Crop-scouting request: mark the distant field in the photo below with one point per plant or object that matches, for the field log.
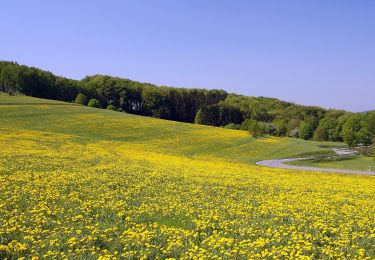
(359, 162)
(79, 182)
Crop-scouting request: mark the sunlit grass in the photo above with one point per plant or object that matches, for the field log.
(85, 183)
(357, 162)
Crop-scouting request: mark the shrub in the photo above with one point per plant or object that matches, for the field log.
(294, 133)
(256, 129)
(305, 131)
(81, 99)
(320, 134)
(364, 137)
(111, 107)
(93, 103)
(232, 126)
(350, 129)
(272, 129)
(281, 127)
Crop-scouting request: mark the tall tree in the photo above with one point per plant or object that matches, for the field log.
(305, 130)
(350, 129)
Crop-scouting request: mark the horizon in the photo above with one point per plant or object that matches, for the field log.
(310, 53)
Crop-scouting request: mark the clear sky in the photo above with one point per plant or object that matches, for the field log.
(313, 52)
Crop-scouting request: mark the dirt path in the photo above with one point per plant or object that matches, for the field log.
(280, 163)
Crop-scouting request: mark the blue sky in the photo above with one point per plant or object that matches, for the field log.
(310, 52)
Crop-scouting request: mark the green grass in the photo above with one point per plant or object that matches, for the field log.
(80, 183)
(317, 153)
(190, 140)
(358, 162)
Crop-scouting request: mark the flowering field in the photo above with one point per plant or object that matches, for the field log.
(77, 182)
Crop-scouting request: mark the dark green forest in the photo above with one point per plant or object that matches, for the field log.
(259, 115)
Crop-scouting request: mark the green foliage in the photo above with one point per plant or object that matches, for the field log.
(271, 129)
(154, 102)
(340, 124)
(313, 121)
(111, 107)
(218, 115)
(94, 103)
(15, 78)
(327, 129)
(293, 127)
(81, 99)
(246, 124)
(350, 137)
(294, 133)
(255, 128)
(281, 127)
(208, 115)
(320, 134)
(350, 129)
(364, 137)
(198, 117)
(355, 131)
(305, 130)
(9, 79)
(232, 126)
(369, 121)
(146, 99)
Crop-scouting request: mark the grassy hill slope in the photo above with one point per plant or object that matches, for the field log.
(80, 182)
(88, 125)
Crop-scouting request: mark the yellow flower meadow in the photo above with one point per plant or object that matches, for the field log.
(75, 183)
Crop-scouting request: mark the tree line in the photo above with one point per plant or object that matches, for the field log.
(259, 115)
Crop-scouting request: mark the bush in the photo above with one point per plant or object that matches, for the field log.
(256, 129)
(111, 107)
(246, 124)
(294, 133)
(305, 131)
(232, 126)
(320, 134)
(364, 137)
(272, 129)
(94, 103)
(198, 117)
(350, 129)
(81, 99)
(281, 127)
